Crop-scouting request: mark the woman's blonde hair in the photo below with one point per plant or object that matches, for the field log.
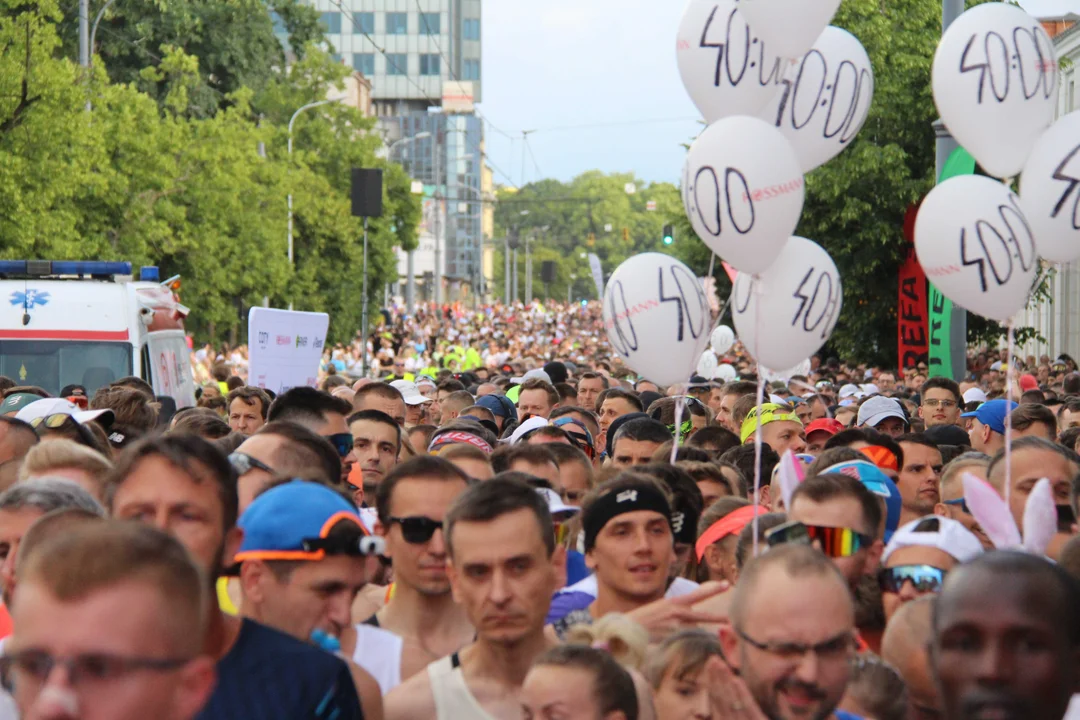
(621, 637)
(681, 655)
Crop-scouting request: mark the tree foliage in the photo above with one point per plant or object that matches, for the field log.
(150, 176)
(565, 221)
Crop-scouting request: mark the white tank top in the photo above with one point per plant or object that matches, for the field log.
(453, 699)
(379, 652)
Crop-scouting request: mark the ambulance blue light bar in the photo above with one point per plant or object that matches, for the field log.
(43, 268)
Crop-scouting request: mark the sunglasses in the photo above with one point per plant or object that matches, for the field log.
(960, 503)
(835, 542)
(342, 442)
(417, 530)
(924, 578)
(243, 463)
(52, 422)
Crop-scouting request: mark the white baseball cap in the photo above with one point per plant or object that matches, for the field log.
(59, 406)
(533, 423)
(555, 503)
(409, 392)
(850, 390)
(974, 395)
(935, 531)
(537, 373)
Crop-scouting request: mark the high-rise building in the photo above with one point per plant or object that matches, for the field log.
(423, 60)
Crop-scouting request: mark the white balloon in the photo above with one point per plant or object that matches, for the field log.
(743, 191)
(657, 317)
(1050, 191)
(788, 312)
(826, 98)
(725, 372)
(995, 81)
(789, 26)
(802, 368)
(722, 339)
(725, 70)
(707, 364)
(976, 246)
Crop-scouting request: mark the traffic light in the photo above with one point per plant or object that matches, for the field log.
(669, 234)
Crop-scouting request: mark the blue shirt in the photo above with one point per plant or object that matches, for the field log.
(268, 675)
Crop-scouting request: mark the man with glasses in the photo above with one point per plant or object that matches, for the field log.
(324, 415)
(942, 402)
(121, 609)
(376, 441)
(791, 639)
(413, 500)
(840, 516)
(283, 449)
(918, 557)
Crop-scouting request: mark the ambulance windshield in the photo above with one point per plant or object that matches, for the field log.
(52, 364)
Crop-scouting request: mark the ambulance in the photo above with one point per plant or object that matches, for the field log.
(89, 323)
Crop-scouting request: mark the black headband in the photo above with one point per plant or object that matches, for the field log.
(608, 506)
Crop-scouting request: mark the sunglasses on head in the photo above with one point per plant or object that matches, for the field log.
(243, 463)
(57, 420)
(834, 542)
(417, 530)
(924, 578)
(342, 442)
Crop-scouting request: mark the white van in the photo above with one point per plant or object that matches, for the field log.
(89, 323)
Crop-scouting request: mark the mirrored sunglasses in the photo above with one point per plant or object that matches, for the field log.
(924, 578)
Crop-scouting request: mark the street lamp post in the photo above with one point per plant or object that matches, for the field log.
(291, 121)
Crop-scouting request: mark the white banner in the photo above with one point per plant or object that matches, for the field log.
(597, 274)
(285, 347)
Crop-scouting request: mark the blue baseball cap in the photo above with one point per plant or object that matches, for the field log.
(293, 521)
(877, 482)
(499, 405)
(992, 414)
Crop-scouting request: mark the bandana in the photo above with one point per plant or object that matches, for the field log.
(613, 504)
(731, 524)
(764, 415)
(456, 437)
(882, 457)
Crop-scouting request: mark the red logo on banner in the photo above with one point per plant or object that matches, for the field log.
(912, 347)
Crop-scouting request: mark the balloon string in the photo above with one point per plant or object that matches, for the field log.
(755, 287)
(680, 403)
(1009, 377)
(712, 264)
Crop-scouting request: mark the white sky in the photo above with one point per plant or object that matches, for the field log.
(576, 62)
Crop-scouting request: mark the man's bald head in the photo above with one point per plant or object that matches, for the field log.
(905, 647)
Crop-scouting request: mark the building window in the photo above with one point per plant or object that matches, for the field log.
(336, 57)
(397, 64)
(397, 23)
(331, 22)
(471, 28)
(364, 22)
(429, 64)
(364, 63)
(429, 23)
(470, 69)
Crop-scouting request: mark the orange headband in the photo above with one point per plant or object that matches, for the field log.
(882, 457)
(731, 524)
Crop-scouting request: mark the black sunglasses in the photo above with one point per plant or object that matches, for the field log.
(417, 530)
(243, 464)
(342, 442)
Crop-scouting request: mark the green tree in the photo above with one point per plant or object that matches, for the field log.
(566, 221)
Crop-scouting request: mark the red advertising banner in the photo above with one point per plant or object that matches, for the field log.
(912, 347)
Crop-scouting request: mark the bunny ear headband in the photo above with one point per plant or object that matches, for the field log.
(996, 520)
